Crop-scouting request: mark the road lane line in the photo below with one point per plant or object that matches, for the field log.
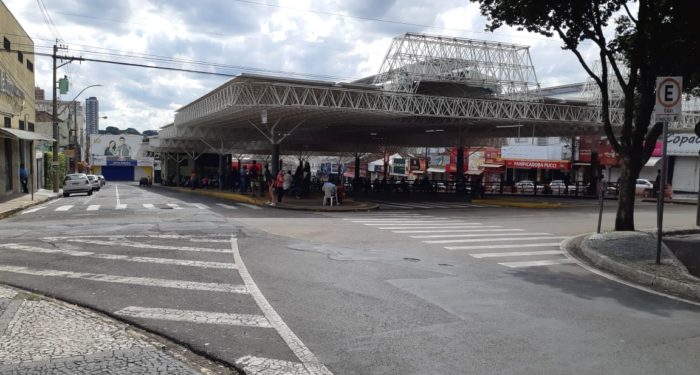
(175, 236)
(148, 205)
(207, 240)
(199, 205)
(193, 316)
(402, 220)
(450, 226)
(93, 207)
(477, 235)
(312, 364)
(35, 209)
(509, 246)
(119, 203)
(141, 281)
(499, 239)
(259, 365)
(128, 258)
(516, 254)
(457, 230)
(64, 208)
(251, 206)
(415, 223)
(388, 217)
(174, 206)
(147, 246)
(227, 206)
(537, 263)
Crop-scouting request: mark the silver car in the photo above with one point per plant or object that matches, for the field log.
(96, 185)
(76, 183)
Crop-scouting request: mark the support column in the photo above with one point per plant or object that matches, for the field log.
(275, 160)
(177, 169)
(459, 175)
(357, 168)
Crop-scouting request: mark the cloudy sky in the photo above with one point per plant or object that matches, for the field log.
(320, 39)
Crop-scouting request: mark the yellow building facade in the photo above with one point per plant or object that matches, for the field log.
(17, 112)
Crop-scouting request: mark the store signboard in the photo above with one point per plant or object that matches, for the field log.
(532, 152)
(684, 144)
(118, 150)
(398, 166)
(538, 164)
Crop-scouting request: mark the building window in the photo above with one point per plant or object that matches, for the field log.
(20, 56)
(6, 44)
(8, 122)
(31, 126)
(30, 66)
(21, 125)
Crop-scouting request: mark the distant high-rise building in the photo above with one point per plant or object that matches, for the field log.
(38, 93)
(92, 115)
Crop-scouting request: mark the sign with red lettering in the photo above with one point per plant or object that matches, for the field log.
(538, 164)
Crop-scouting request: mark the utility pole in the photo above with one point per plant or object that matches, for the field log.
(54, 158)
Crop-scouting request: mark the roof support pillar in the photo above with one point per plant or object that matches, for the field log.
(275, 161)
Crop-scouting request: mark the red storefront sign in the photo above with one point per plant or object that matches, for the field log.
(538, 164)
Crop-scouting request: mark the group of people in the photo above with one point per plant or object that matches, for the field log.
(254, 182)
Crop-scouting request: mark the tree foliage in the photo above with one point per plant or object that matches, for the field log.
(661, 39)
(113, 130)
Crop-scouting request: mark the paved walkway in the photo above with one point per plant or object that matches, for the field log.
(14, 203)
(42, 336)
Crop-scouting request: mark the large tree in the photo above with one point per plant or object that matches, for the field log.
(660, 40)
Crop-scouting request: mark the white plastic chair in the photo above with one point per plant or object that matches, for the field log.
(331, 197)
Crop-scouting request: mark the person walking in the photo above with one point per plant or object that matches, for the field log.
(279, 186)
(23, 178)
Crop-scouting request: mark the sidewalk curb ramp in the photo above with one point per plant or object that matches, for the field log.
(16, 210)
(581, 250)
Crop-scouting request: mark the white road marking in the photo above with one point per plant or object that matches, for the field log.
(192, 316)
(176, 236)
(509, 246)
(451, 226)
(267, 366)
(415, 223)
(457, 230)
(174, 206)
(478, 235)
(35, 209)
(142, 281)
(516, 254)
(93, 207)
(402, 217)
(90, 254)
(64, 208)
(537, 263)
(498, 240)
(312, 364)
(199, 205)
(119, 203)
(400, 220)
(147, 246)
(148, 205)
(251, 206)
(204, 240)
(228, 206)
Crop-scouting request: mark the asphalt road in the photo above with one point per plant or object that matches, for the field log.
(474, 290)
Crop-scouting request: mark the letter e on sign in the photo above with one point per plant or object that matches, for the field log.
(669, 92)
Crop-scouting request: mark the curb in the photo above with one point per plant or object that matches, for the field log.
(506, 203)
(215, 194)
(672, 201)
(643, 278)
(341, 209)
(13, 211)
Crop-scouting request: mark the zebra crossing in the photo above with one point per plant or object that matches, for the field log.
(410, 205)
(101, 265)
(144, 206)
(508, 247)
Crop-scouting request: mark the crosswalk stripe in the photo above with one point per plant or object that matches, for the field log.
(258, 365)
(142, 281)
(481, 235)
(148, 246)
(121, 206)
(64, 208)
(35, 209)
(389, 217)
(251, 206)
(449, 226)
(93, 207)
(406, 220)
(509, 246)
(457, 231)
(199, 205)
(516, 254)
(418, 223)
(536, 263)
(174, 206)
(497, 239)
(228, 206)
(90, 254)
(192, 316)
(148, 205)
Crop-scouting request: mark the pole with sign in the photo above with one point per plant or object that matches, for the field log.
(697, 219)
(668, 108)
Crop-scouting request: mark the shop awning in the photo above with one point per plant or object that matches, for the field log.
(652, 161)
(582, 163)
(485, 165)
(436, 170)
(23, 134)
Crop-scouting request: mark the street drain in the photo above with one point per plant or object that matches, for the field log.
(445, 265)
(412, 259)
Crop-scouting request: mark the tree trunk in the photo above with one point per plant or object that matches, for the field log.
(624, 220)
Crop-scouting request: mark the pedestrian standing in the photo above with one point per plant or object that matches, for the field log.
(306, 182)
(244, 180)
(24, 178)
(287, 182)
(279, 186)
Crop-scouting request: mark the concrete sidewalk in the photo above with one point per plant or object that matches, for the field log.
(14, 203)
(43, 336)
(313, 203)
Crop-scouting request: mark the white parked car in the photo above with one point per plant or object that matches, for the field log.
(559, 187)
(95, 182)
(76, 183)
(525, 186)
(103, 182)
(642, 185)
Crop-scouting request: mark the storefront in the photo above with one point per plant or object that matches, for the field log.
(684, 162)
(534, 163)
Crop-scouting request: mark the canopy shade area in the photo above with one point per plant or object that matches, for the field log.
(23, 135)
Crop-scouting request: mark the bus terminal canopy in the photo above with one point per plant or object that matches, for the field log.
(448, 95)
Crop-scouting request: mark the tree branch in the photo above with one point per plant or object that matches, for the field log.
(629, 14)
(650, 141)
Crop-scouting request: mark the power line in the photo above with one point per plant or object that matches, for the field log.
(48, 20)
